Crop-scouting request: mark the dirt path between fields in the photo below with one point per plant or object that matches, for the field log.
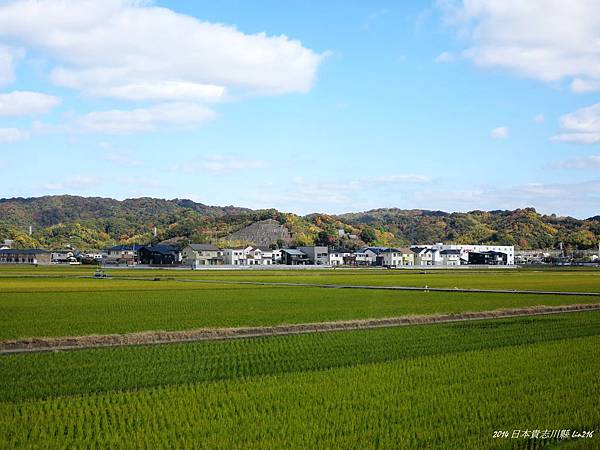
(209, 334)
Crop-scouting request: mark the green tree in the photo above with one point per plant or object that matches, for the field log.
(368, 235)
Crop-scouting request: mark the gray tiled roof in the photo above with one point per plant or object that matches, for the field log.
(23, 251)
(203, 247)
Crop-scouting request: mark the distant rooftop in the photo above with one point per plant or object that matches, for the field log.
(203, 247)
(123, 247)
(23, 251)
(292, 251)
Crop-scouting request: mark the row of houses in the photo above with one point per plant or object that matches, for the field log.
(203, 255)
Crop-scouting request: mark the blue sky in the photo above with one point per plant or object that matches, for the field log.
(304, 106)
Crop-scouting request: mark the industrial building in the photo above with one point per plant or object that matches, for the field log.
(461, 254)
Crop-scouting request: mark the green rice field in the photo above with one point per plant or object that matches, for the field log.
(437, 386)
(37, 307)
(551, 279)
(432, 386)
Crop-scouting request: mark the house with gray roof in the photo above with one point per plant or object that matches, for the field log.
(121, 254)
(294, 257)
(197, 255)
(25, 256)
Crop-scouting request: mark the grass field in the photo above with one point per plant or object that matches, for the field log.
(557, 279)
(65, 307)
(436, 386)
(446, 386)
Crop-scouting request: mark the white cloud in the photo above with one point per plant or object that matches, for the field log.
(10, 135)
(26, 103)
(402, 179)
(315, 194)
(79, 182)
(130, 49)
(170, 115)
(581, 126)
(539, 118)
(541, 39)
(343, 195)
(562, 198)
(499, 133)
(582, 86)
(581, 163)
(162, 90)
(445, 57)
(123, 159)
(220, 164)
(8, 56)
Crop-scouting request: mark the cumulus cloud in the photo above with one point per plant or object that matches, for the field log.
(169, 115)
(10, 135)
(539, 118)
(582, 86)
(26, 103)
(581, 126)
(130, 49)
(581, 163)
(545, 40)
(499, 133)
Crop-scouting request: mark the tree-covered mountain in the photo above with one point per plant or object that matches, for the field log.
(92, 222)
(525, 228)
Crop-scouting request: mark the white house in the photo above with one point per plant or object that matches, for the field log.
(450, 257)
(392, 257)
(426, 256)
(362, 258)
(250, 256)
(276, 256)
(63, 256)
(91, 255)
(339, 256)
(267, 256)
(256, 256)
(371, 254)
(234, 256)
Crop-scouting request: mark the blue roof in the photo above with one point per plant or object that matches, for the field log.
(162, 249)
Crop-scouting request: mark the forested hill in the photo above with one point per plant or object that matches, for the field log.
(92, 223)
(524, 228)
